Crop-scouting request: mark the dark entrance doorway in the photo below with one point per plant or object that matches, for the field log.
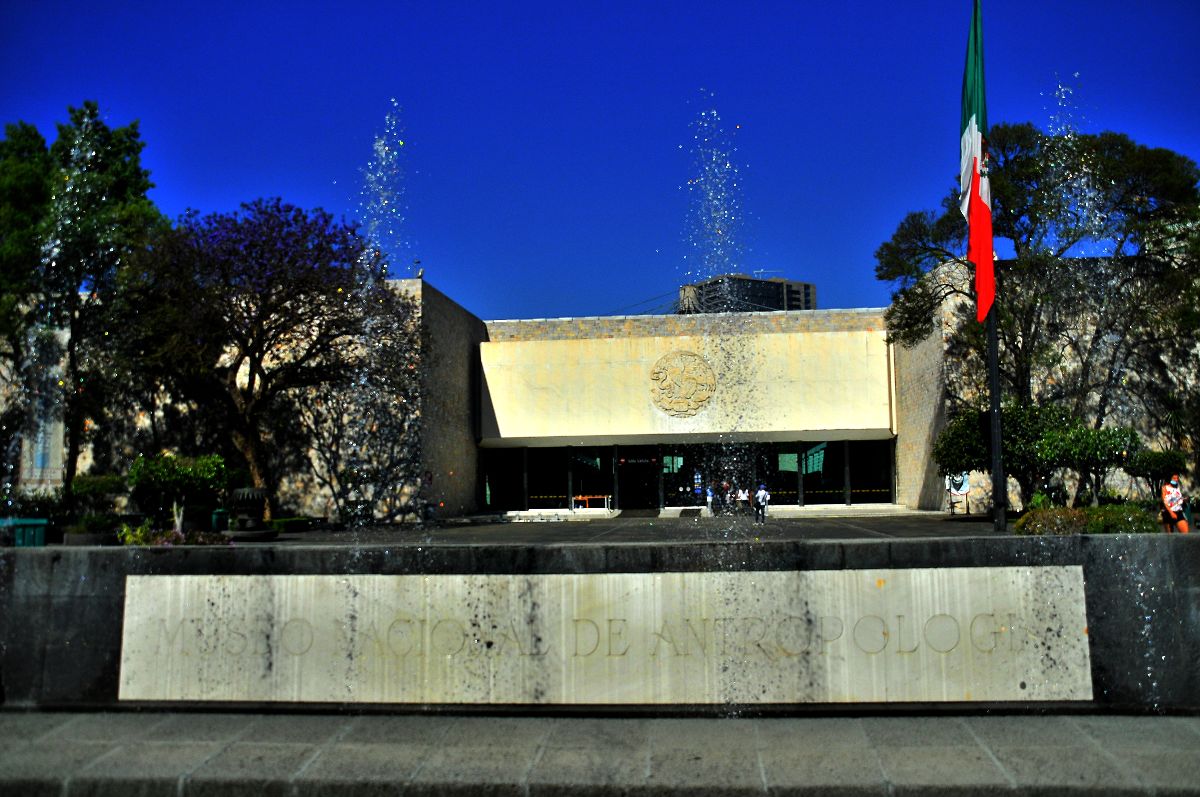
(638, 469)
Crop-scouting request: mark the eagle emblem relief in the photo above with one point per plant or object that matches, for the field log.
(681, 382)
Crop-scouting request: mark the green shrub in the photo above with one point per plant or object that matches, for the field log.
(158, 482)
(1121, 519)
(142, 534)
(96, 493)
(1050, 521)
(146, 534)
(43, 504)
(1040, 501)
(1126, 518)
(103, 484)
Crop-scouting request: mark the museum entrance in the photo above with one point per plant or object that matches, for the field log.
(638, 477)
(678, 475)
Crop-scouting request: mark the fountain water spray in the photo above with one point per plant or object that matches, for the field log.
(715, 248)
(367, 435)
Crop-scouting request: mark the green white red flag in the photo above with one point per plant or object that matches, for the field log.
(975, 193)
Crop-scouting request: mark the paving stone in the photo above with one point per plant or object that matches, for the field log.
(811, 734)
(37, 768)
(586, 732)
(1149, 734)
(491, 769)
(497, 732)
(296, 729)
(1166, 771)
(886, 732)
(360, 769)
(835, 772)
(1189, 724)
(703, 735)
(250, 769)
(1054, 769)
(599, 770)
(144, 769)
(110, 727)
(399, 729)
(1025, 731)
(715, 771)
(964, 770)
(200, 727)
(27, 726)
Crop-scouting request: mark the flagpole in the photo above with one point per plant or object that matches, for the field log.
(999, 482)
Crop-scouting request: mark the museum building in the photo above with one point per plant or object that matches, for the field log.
(646, 412)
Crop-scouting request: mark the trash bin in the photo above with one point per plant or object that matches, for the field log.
(220, 520)
(24, 532)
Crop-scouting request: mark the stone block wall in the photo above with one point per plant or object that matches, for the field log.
(449, 400)
(920, 415)
(657, 326)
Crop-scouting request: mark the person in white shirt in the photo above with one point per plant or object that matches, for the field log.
(761, 499)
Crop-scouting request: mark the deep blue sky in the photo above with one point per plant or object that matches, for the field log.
(543, 156)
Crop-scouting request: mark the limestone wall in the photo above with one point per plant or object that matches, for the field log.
(920, 415)
(449, 400)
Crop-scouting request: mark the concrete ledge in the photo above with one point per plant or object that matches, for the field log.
(304, 755)
(61, 608)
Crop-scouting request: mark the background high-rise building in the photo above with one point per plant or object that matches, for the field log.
(741, 293)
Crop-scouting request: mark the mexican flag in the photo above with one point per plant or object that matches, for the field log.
(974, 190)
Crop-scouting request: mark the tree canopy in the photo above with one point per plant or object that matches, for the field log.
(1096, 308)
(255, 316)
(69, 216)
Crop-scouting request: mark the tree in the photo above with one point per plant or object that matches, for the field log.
(26, 171)
(254, 316)
(1156, 467)
(1092, 453)
(965, 443)
(1096, 307)
(98, 215)
(364, 429)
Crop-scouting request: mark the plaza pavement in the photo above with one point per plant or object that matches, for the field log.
(185, 754)
(222, 754)
(872, 522)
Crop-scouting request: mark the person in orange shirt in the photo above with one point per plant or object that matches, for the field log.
(1172, 500)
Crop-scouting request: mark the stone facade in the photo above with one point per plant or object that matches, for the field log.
(920, 415)
(804, 375)
(449, 399)
(656, 326)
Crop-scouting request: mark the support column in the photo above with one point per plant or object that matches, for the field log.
(525, 476)
(801, 457)
(616, 477)
(846, 470)
(658, 451)
(895, 474)
(570, 481)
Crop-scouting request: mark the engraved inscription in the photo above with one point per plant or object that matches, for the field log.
(632, 638)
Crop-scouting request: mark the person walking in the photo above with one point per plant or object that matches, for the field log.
(1172, 501)
(761, 499)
